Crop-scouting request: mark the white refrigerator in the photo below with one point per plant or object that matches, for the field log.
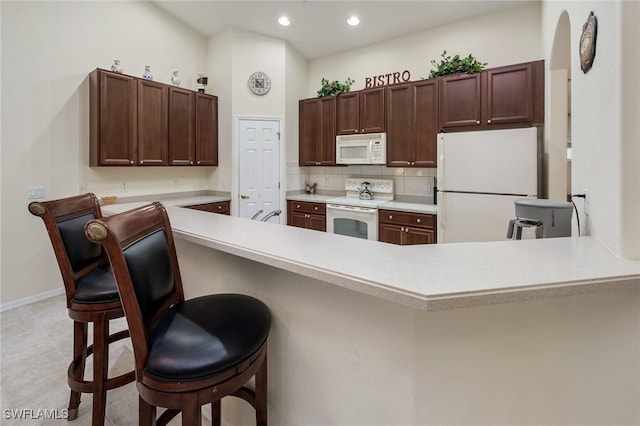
(480, 175)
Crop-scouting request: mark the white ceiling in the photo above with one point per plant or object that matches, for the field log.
(318, 27)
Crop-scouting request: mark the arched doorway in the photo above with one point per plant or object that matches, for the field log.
(558, 154)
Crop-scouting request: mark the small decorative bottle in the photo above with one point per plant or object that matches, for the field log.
(116, 66)
(175, 79)
(147, 73)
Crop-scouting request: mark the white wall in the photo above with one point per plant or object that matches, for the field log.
(502, 38)
(48, 49)
(604, 115)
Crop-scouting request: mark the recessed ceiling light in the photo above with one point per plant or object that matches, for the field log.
(284, 21)
(353, 21)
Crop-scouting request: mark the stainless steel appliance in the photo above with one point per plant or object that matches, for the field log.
(356, 214)
(366, 148)
(545, 218)
(480, 175)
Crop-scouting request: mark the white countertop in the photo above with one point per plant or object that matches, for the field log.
(410, 207)
(428, 277)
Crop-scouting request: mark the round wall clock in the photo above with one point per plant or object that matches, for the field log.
(588, 43)
(259, 83)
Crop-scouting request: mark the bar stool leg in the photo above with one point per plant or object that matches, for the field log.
(100, 369)
(80, 331)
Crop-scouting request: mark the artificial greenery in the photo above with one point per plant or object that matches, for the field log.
(334, 88)
(455, 65)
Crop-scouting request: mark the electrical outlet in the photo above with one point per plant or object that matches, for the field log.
(587, 203)
(124, 187)
(35, 192)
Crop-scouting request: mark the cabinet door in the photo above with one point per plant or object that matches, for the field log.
(181, 127)
(298, 219)
(414, 236)
(347, 113)
(425, 123)
(317, 222)
(206, 130)
(308, 131)
(400, 125)
(460, 101)
(388, 233)
(113, 138)
(327, 138)
(372, 112)
(153, 142)
(509, 95)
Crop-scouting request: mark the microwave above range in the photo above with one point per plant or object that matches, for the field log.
(366, 148)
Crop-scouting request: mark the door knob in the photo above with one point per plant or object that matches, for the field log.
(244, 196)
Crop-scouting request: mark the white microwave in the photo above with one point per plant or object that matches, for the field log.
(366, 148)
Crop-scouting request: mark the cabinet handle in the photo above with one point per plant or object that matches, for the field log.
(315, 208)
(198, 162)
(131, 162)
(418, 220)
(477, 121)
(191, 162)
(489, 121)
(219, 207)
(390, 216)
(406, 229)
(141, 161)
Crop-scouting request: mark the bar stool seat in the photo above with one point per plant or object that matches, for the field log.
(91, 294)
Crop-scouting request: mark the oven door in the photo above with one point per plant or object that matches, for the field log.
(353, 221)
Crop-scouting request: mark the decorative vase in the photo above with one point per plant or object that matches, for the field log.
(147, 73)
(116, 66)
(175, 79)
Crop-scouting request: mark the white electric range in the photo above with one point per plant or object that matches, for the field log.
(355, 216)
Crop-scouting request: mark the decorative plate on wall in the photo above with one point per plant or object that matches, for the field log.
(259, 83)
(588, 42)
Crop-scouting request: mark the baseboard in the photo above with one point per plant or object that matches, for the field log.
(31, 299)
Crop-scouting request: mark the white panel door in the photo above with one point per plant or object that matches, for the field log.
(259, 167)
(490, 161)
(474, 217)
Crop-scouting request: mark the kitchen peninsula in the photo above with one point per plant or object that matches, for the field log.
(353, 341)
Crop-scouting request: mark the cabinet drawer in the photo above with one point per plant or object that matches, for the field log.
(305, 206)
(222, 207)
(408, 219)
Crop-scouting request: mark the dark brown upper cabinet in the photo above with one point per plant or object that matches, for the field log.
(138, 122)
(206, 130)
(113, 119)
(361, 112)
(501, 97)
(153, 147)
(412, 124)
(317, 131)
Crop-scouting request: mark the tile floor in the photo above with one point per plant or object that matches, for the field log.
(36, 349)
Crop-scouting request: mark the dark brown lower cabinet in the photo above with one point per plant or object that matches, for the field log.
(404, 228)
(304, 214)
(221, 207)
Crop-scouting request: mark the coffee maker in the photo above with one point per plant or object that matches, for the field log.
(546, 218)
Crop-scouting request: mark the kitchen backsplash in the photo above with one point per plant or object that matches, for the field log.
(407, 181)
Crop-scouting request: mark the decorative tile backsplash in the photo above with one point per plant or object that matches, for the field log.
(407, 181)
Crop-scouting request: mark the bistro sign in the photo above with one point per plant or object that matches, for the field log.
(386, 79)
